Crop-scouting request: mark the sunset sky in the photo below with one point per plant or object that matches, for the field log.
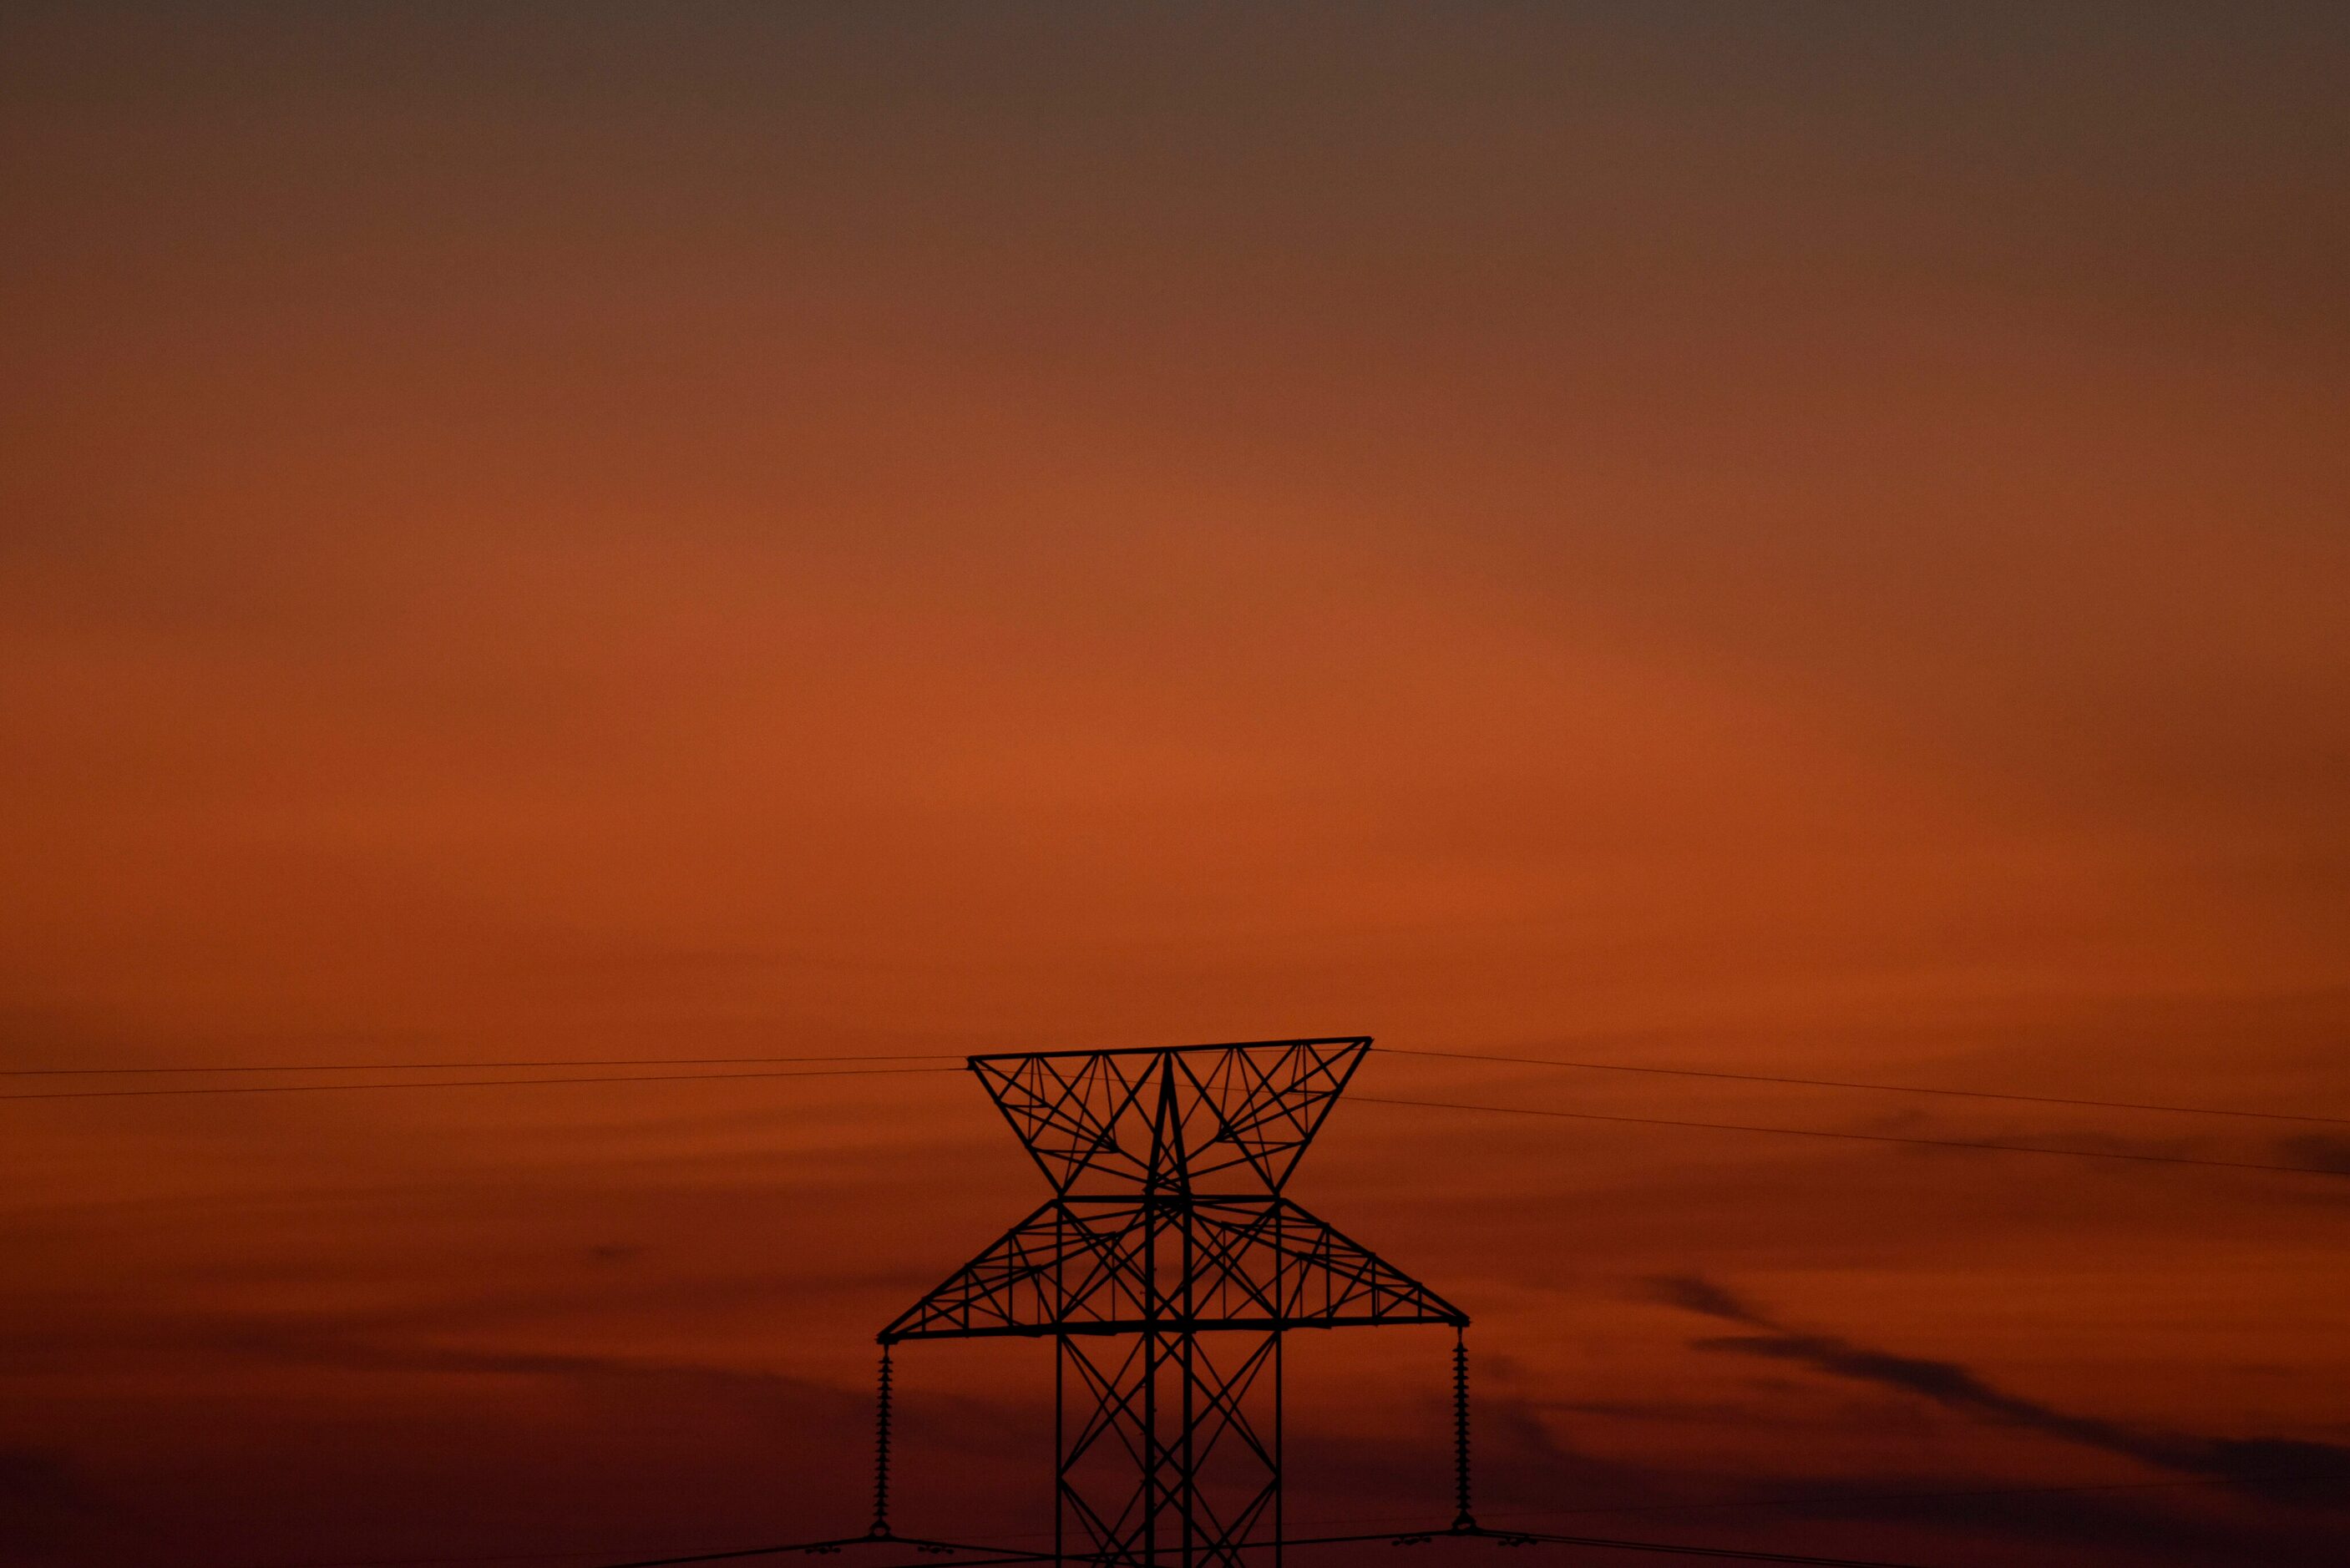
(1799, 539)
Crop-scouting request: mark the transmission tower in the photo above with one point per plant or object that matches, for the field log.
(1166, 1268)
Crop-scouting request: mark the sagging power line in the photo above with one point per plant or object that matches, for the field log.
(467, 1065)
(1941, 1090)
(467, 1083)
(1726, 1075)
(2134, 1155)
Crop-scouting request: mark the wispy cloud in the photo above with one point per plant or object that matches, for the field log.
(1693, 1294)
(2276, 1468)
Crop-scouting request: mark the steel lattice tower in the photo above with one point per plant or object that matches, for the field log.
(1166, 1268)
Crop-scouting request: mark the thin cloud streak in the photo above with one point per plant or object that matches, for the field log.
(2282, 1469)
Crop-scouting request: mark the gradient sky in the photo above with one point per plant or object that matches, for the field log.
(1806, 539)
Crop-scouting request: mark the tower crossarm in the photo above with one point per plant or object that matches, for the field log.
(1108, 1266)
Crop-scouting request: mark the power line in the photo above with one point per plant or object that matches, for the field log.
(469, 1084)
(1660, 1548)
(1879, 1088)
(1830, 1501)
(988, 1554)
(1864, 1498)
(1721, 1073)
(1870, 1498)
(1600, 1542)
(453, 1067)
(1858, 1136)
(2139, 1158)
(1500, 1537)
(423, 1561)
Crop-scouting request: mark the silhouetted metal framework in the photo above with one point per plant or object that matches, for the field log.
(1166, 1268)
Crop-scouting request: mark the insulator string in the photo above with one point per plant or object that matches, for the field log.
(1463, 1518)
(882, 1451)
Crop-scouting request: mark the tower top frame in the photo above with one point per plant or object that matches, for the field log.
(1233, 1117)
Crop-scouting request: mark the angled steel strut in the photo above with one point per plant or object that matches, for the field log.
(1166, 1268)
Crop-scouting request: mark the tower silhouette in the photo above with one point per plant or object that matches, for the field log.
(1166, 1267)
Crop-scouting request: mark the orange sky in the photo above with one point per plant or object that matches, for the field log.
(1793, 539)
